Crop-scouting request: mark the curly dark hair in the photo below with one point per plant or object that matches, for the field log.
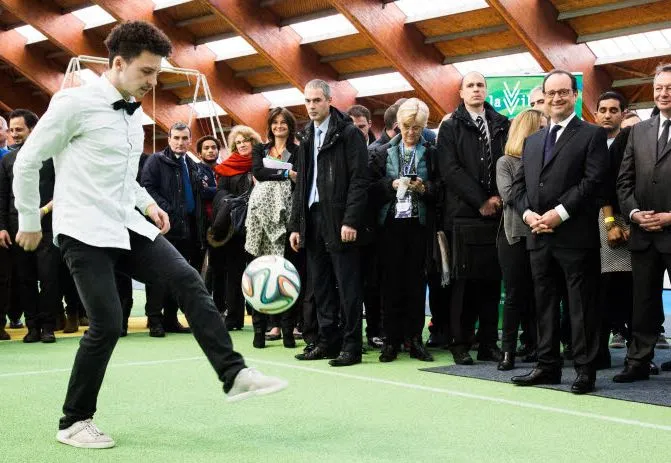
(131, 38)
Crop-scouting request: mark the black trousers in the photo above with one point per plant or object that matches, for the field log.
(308, 323)
(579, 269)
(37, 281)
(617, 300)
(474, 300)
(403, 280)
(124, 286)
(439, 304)
(648, 271)
(5, 281)
(150, 262)
(372, 291)
(228, 264)
(73, 304)
(337, 280)
(518, 283)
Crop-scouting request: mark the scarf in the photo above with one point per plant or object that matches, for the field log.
(235, 164)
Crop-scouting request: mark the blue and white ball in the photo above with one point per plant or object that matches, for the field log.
(271, 284)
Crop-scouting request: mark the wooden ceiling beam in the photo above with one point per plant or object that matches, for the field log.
(553, 45)
(14, 96)
(403, 45)
(621, 4)
(281, 47)
(66, 31)
(234, 95)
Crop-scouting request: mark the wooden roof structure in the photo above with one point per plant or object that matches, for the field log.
(422, 48)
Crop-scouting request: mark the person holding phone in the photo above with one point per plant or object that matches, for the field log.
(402, 173)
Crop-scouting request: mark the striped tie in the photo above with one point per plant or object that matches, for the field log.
(488, 151)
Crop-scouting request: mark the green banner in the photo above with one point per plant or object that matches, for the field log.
(509, 95)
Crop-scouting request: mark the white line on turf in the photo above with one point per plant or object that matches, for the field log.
(417, 387)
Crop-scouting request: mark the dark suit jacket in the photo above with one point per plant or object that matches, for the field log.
(573, 177)
(645, 183)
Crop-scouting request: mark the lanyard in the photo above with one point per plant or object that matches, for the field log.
(410, 166)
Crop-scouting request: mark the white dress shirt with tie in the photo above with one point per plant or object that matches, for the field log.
(96, 152)
(320, 133)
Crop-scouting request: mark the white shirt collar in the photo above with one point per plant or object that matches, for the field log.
(324, 125)
(476, 115)
(563, 123)
(111, 93)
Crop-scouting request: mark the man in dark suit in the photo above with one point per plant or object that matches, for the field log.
(645, 198)
(558, 193)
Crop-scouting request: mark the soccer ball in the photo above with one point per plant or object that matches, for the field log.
(271, 284)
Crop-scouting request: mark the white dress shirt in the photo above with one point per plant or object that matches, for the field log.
(323, 127)
(96, 152)
(483, 115)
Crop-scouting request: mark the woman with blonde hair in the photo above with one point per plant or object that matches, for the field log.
(403, 184)
(234, 179)
(513, 255)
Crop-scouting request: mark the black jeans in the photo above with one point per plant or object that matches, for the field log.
(73, 304)
(439, 305)
(404, 283)
(337, 281)
(372, 295)
(150, 262)
(519, 303)
(40, 303)
(228, 263)
(5, 280)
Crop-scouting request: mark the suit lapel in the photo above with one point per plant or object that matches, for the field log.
(566, 135)
(538, 151)
(654, 136)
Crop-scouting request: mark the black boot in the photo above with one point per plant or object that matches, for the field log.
(288, 338)
(418, 350)
(259, 340)
(508, 362)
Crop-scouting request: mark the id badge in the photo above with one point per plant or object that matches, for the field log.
(404, 208)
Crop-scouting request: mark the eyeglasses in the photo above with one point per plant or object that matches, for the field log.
(563, 93)
(243, 141)
(662, 88)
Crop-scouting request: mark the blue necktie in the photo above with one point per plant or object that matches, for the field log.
(188, 192)
(550, 143)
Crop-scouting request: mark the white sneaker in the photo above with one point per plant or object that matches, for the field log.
(250, 382)
(85, 435)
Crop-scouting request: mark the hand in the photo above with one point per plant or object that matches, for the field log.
(552, 219)
(615, 236)
(204, 182)
(159, 217)
(28, 240)
(294, 240)
(417, 186)
(347, 234)
(535, 221)
(664, 218)
(395, 184)
(648, 220)
(491, 206)
(293, 175)
(5, 239)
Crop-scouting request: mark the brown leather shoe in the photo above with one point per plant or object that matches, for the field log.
(71, 325)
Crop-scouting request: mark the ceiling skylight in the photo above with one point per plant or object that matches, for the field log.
(324, 28)
(286, 97)
(520, 63)
(93, 16)
(31, 34)
(207, 109)
(160, 4)
(231, 48)
(419, 10)
(377, 85)
(628, 47)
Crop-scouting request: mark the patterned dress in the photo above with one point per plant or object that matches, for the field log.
(614, 259)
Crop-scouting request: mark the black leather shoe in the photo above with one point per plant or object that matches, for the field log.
(4, 335)
(654, 369)
(418, 351)
(47, 336)
(259, 340)
(375, 342)
(156, 331)
(531, 357)
(666, 366)
(389, 353)
(538, 376)
(175, 327)
(318, 353)
(631, 374)
(436, 340)
(582, 384)
(345, 359)
(32, 336)
(489, 353)
(507, 363)
(568, 352)
(309, 347)
(288, 339)
(462, 358)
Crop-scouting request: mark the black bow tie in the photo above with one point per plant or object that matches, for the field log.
(130, 107)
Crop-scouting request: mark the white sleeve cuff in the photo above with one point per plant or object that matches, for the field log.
(633, 211)
(561, 210)
(30, 222)
(525, 214)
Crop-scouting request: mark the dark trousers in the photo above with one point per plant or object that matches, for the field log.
(617, 301)
(372, 294)
(337, 280)
(518, 283)
(124, 286)
(648, 271)
(150, 262)
(474, 300)
(308, 324)
(37, 281)
(228, 264)
(73, 304)
(403, 280)
(579, 269)
(439, 305)
(5, 281)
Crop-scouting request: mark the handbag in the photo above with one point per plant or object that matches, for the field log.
(474, 254)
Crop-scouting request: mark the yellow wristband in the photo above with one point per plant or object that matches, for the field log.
(609, 219)
(45, 209)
